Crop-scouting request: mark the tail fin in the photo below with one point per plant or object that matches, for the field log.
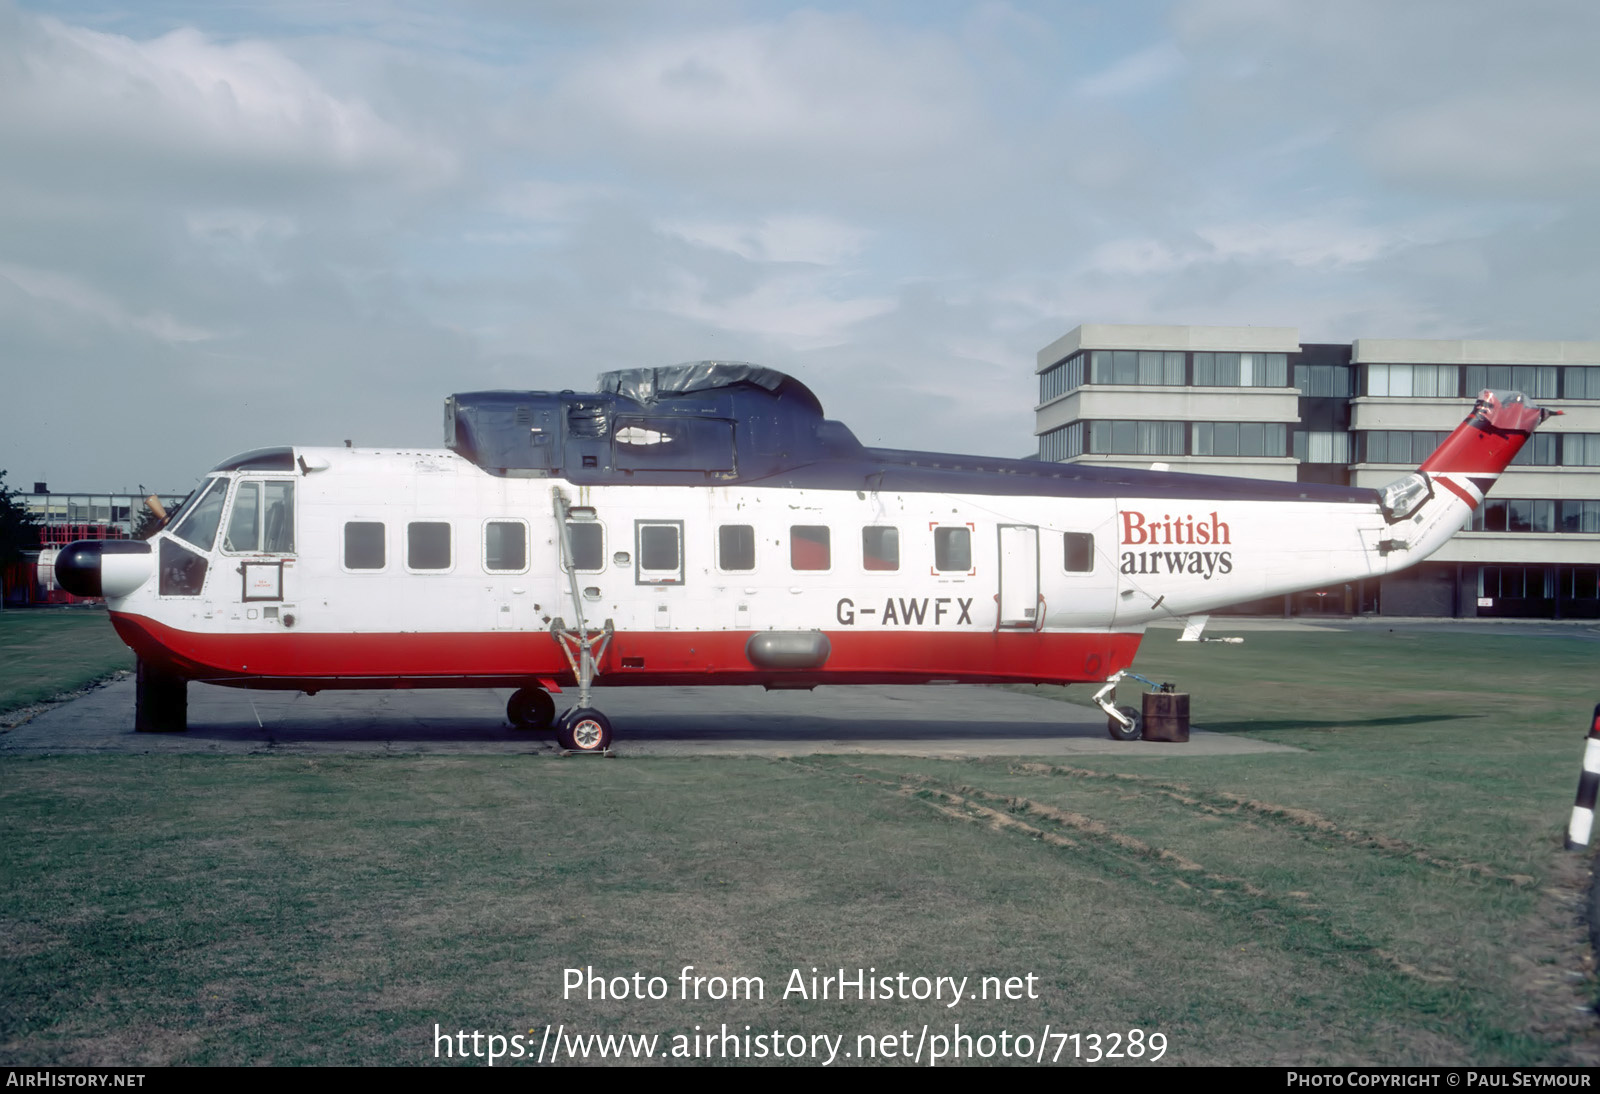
(1472, 458)
(1428, 506)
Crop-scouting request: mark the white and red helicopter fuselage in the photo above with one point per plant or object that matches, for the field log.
(562, 540)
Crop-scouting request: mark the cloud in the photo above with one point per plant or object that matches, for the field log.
(826, 91)
(183, 99)
(1135, 73)
(796, 310)
(1469, 97)
(1537, 140)
(819, 240)
(51, 288)
(1306, 242)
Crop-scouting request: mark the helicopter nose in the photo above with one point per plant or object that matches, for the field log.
(104, 567)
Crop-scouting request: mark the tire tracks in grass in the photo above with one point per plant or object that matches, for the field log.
(1300, 924)
(1118, 853)
(1287, 818)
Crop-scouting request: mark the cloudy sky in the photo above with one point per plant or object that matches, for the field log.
(232, 225)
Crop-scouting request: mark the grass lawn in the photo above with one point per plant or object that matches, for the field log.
(1395, 892)
(47, 651)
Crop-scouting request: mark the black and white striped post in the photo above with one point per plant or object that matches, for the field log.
(1588, 784)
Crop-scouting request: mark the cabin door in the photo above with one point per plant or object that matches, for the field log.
(1019, 576)
(260, 536)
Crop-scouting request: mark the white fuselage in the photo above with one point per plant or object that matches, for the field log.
(450, 563)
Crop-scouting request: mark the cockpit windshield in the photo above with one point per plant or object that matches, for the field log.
(202, 515)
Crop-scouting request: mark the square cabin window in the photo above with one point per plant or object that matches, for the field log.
(810, 547)
(363, 545)
(1079, 552)
(588, 546)
(736, 547)
(505, 546)
(658, 547)
(660, 552)
(428, 545)
(952, 549)
(880, 548)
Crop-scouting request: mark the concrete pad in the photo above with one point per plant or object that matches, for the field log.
(935, 720)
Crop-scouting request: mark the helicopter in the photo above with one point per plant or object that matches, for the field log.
(705, 523)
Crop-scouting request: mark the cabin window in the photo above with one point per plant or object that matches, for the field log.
(364, 545)
(952, 549)
(588, 545)
(880, 548)
(809, 547)
(660, 545)
(736, 547)
(199, 524)
(505, 546)
(1079, 556)
(427, 545)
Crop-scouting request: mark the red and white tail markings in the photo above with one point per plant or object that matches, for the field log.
(1469, 488)
(1471, 459)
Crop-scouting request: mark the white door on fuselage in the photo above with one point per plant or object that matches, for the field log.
(1019, 575)
(259, 537)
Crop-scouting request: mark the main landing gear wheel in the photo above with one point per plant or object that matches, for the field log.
(1120, 732)
(584, 729)
(532, 709)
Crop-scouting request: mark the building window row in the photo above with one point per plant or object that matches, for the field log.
(1412, 446)
(1267, 439)
(1061, 378)
(1163, 368)
(1558, 515)
(1407, 446)
(1168, 369)
(1238, 438)
(1241, 370)
(1324, 381)
(1062, 443)
(1312, 446)
(1465, 381)
(1539, 582)
(1132, 438)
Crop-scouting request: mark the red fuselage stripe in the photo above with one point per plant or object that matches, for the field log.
(501, 658)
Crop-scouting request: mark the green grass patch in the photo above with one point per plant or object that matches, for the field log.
(48, 651)
(1395, 893)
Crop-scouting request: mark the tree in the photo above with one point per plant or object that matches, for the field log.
(18, 530)
(147, 524)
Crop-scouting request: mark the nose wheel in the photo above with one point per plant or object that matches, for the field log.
(584, 729)
(1122, 723)
(1130, 728)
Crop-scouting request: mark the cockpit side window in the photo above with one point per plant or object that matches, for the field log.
(199, 526)
(244, 524)
(262, 518)
(277, 525)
